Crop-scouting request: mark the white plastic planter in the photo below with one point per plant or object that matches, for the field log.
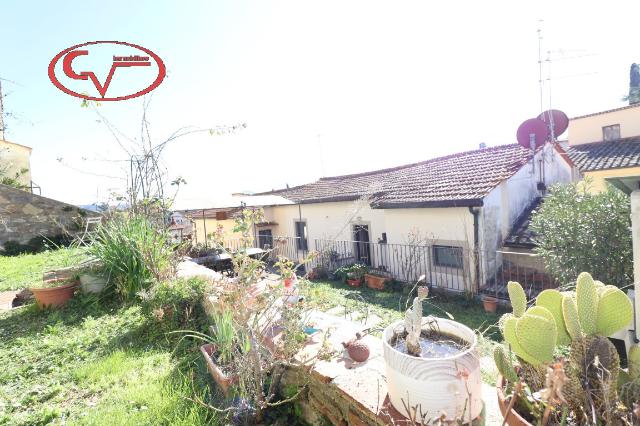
(438, 385)
(92, 283)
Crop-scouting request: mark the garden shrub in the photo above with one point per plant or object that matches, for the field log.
(135, 253)
(177, 301)
(579, 231)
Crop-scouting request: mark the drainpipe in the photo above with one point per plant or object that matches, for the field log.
(475, 211)
(302, 236)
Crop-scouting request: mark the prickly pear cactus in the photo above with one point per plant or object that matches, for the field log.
(634, 362)
(533, 336)
(518, 298)
(614, 311)
(594, 365)
(552, 301)
(587, 302)
(629, 383)
(504, 364)
(571, 320)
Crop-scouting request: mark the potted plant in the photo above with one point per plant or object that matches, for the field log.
(376, 279)
(355, 274)
(287, 271)
(490, 304)
(220, 349)
(537, 386)
(432, 366)
(55, 291)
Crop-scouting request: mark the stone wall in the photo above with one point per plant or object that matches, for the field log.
(24, 215)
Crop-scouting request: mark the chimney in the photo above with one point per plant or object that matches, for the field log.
(634, 84)
(483, 145)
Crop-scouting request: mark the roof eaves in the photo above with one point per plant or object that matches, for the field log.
(605, 112)
(472, 202)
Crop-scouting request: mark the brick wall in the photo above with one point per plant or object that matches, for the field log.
(24, 215)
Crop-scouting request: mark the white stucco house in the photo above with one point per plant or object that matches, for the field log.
(458, 205)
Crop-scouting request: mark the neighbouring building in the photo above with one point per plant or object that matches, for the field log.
(460, 207)
(605, 145)
(219, 216)
(458, 210)
(15, 160)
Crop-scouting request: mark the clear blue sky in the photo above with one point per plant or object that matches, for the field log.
(325, 88)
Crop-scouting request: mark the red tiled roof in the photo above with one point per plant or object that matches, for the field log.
(616, 154)
(462, 179)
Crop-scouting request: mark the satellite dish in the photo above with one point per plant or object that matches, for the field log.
(535, 127)
(559, 119)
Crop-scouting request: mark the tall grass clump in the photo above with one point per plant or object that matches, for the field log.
(135, 253)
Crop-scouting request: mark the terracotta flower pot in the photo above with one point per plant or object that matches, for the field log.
(375, 281)
(354, 282)
(288, 282)
(222, 379)
(512, 418)
(54, 296)
(490, 304)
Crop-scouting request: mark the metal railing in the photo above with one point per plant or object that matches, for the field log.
(457, 269)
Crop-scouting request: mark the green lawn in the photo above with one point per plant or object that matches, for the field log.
(21, 271)
(92, 364)
(391, 306)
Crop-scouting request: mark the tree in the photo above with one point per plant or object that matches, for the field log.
(581, 231)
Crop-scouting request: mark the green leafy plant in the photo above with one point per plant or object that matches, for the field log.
(135, 253)
(225, 337)
(285, 267)
(577, 231)
(176, 301)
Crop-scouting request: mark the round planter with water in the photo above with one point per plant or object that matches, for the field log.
(433, 386)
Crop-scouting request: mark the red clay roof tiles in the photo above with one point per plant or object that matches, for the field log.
(461, 179)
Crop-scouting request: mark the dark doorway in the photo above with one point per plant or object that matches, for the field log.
(265, 239)
(362, 244)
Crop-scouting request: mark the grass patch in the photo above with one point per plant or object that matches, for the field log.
(94, 364)
(390, 306)
(22, 271)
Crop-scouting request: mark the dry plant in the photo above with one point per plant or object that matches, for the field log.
(268, 324)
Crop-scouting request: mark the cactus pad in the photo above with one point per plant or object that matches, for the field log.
(552, 301)
(570, 314)
(587, 302)
(537, 335)
(509, 333)
(614, 311)
(518, 298)
(634, 362)
(504, 364)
